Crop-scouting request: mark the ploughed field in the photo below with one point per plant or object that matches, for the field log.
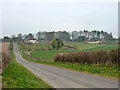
(5, 47)
(49, 54)
(4, 54)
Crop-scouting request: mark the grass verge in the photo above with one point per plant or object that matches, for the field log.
(16, 76)
(101, 70)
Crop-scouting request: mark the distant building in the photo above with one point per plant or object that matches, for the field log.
(30, 41)
(94, 42)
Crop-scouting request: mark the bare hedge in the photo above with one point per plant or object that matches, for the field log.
(5, 57)
(5, 60)
(91, 57)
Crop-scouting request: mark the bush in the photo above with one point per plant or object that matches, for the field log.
(77, 57)
(92, 57)
(56, 44)
(101, 57)
(5, 60)
(113, 56)
(58, 58)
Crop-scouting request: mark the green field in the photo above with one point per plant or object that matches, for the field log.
(46, 54)
(104, 47)
(16, 76)
(112, 41)
(49, 54)
(82, 46)
(38, 46)
(46, 45)
(102, 70)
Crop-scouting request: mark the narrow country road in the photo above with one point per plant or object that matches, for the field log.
(61, 78)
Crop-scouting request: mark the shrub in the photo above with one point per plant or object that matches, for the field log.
(58, 58)
(68, 57)
(56, 44)
(113, 56)
(92, 57)
(101, 57)
(78, 57)
(5, 60)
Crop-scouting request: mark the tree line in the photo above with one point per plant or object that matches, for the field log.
(78, 36)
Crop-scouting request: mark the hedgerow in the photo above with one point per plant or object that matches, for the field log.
(89, 57)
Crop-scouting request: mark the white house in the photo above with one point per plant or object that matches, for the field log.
(31, 41)
(94, 42)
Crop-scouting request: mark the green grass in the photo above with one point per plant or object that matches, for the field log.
(81, 45)
(49, 54)
(38, 46)
(104, 47)
(78, 45)
(112, 41)
(16, 76)
(90, 47)
(102, 70)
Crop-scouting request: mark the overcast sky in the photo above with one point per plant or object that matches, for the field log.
(19, 17)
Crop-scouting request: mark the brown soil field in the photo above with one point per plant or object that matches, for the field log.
(0, 47)
(4, 55)
(5, 47)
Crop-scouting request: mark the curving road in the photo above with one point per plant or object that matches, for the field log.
(61, 78)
